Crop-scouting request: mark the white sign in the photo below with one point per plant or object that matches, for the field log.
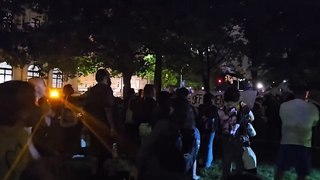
(248, 97)
(196, 98)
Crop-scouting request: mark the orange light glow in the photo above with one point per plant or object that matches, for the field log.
(54, 94)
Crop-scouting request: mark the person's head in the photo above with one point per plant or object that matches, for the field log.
(164, 97)
(231, 96)
(149, 91)
(39, 87)
(275, 91)
(287, 96)
(182, 92)
(131, 92)
(68, 90)
(182, 113)
(207, 98)
(299, 90)
(140, 92)
(17, 104)
(103, 76)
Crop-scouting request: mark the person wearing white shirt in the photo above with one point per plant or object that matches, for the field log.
(298, 117)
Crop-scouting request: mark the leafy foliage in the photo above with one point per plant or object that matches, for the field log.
(274, 35)
(148, 71)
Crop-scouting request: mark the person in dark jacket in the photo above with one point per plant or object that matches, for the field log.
(99, 117)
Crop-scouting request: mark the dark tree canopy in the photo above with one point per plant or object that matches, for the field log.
(82, 35)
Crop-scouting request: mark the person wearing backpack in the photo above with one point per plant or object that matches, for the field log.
(207, 119)
(234, 119)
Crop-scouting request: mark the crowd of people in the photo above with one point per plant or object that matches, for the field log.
(163, 136)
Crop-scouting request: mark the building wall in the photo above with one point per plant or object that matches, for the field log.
(29, 18)
(85, 82)
(81, 84)
(22, 74)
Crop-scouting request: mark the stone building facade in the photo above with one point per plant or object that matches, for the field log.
(54, 79)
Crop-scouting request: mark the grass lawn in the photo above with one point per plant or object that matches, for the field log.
(265, 171)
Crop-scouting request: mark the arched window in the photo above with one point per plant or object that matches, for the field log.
(57, 78)
(5, 72)
(33, 71)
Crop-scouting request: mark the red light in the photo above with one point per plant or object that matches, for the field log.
(219, 81)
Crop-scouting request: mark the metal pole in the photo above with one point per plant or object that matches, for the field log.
(181, 78)
(238, 83)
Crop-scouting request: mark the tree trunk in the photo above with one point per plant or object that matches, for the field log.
(256, 49)
(158, 74)
(206, 70)
(126, 76)
(205, 82)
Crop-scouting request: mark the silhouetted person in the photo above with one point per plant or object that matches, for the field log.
(67, 91)
(162, 110)
(100, 99)
(68, 124)
(162, 154)
(45, 138)
(143, 111)
(208, 120)
(182, 92)
(17, 109)
(99, 106)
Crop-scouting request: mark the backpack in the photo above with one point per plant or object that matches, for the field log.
(227, 124)
(208, 117)
(237, 123)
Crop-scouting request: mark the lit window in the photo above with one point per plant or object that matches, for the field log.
(5, 72)
(57, 78)
(33, 71)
